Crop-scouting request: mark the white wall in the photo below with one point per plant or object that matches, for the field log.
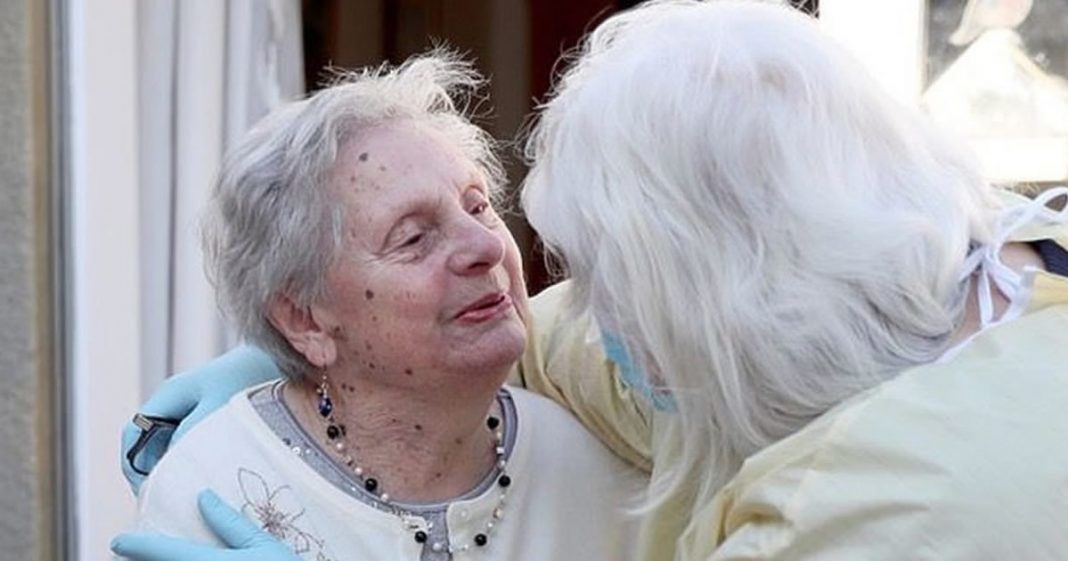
(887, 36)
(102, 47)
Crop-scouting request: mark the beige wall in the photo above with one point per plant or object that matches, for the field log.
(26, 437)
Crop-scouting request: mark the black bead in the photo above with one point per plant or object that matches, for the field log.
(493, 422)
(481, 539)
(504, 481)
(420, 537)
(371, 484)
(332, 432)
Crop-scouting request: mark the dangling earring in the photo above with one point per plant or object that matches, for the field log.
(326, 411)
(326, 405)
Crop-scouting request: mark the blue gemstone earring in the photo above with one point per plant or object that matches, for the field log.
(326, 405)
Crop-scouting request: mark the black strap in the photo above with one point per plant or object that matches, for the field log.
(1054, 256)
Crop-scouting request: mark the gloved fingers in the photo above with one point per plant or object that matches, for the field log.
(229, 525)
(190, 397)
(139, 546)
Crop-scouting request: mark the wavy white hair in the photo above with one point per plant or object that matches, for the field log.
(272, 225)
(763, 227)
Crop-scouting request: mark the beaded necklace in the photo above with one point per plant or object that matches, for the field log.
(336, 437)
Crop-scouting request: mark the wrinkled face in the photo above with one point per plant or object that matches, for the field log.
(428, 287)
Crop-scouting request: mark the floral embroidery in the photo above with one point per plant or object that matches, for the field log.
(277, 511)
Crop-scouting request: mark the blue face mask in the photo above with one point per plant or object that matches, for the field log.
(633, 377)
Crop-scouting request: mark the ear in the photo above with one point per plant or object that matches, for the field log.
(307, 329)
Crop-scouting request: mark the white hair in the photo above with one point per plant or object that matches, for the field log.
(766, 230)
(272, 226)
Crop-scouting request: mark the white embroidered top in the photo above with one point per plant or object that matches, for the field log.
(565, 503)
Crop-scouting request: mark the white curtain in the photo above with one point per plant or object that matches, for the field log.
(209, 69)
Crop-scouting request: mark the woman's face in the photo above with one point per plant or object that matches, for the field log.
(428, 287)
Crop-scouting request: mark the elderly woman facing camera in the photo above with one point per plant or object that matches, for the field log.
(864, 345)
(353, 237)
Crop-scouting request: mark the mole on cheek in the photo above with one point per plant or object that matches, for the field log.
(363, 157)
(408, 371)
(369, 294)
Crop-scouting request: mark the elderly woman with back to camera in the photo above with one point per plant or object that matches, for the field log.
(855, 346)
(353, 237)
(866, 346)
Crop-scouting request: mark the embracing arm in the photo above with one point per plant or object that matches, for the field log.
(191, 396)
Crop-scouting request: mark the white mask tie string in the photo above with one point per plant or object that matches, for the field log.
(985, 261)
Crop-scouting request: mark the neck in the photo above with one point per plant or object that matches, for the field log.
(420, 448)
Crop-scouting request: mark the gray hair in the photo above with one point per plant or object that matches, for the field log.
(764, 228)
(272, 228)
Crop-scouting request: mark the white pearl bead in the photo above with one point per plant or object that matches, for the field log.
(385, 497)
(437, 547)
(358, 470)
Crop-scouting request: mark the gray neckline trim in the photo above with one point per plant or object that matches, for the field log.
(268, 404)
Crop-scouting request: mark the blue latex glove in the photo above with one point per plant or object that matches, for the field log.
(247, 542)
(191, 396)
(633, 376)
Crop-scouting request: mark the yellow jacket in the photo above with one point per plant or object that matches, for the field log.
(962, 460)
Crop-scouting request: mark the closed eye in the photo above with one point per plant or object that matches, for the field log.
(413, 240)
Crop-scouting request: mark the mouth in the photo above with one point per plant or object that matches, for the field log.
(486, 308)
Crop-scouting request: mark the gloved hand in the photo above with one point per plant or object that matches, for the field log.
(246, 541)
(191, 396)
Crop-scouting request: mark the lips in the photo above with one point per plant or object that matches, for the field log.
(485, 308)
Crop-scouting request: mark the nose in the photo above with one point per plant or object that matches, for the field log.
(476, 249)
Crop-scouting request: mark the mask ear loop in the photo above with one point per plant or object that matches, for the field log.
(985, 261)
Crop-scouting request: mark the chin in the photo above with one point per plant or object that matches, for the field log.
(508, 350)
(498, 350)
